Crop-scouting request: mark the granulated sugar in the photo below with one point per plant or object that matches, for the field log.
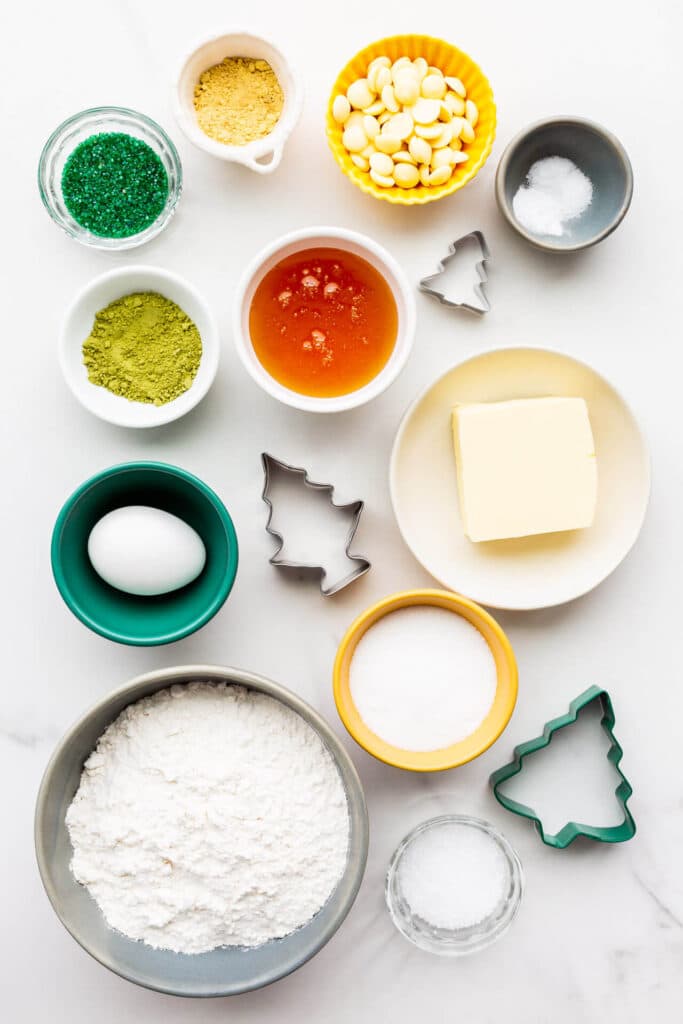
(422, 678)
(453, 876)
(555, 193)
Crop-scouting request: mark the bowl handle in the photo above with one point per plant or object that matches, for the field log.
(266, 163)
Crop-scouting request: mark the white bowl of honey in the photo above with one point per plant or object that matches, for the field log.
(324, 319)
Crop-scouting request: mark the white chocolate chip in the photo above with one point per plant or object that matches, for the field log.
(444, 138)
(382, 163)
(425, 111)
(467, 132)
(455, 104)
(387, 143)
(406, 86)
(403, 157)
(359, 94)
(383, 78)
(384, 117)
(368, 151)
(389, 99)
(381, 179)
(459, 158)
(456, 85)
(400, 125)
(442, 158)
(354, 138)
(360, 162)
(401, 62)
(433, 87)
(429, 131)
(444, 113)
(421, 66)
(374, 109)
(355, 117)
(440, 176)
(370, 126)
(406, 175)
(420, 149)
(341, 108)
(457, 126)
(472, 112)
(425, 174)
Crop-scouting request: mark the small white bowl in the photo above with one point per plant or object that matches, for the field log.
(262, 155)
(78, 323)
(336, 238)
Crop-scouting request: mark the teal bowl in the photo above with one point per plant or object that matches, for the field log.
(127, 618)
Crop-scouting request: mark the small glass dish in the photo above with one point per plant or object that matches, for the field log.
(75, 130)
(461, 940)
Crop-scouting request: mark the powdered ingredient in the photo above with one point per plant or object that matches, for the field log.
(453, 876)
(423, 678)
(554, 193)
(143, 347)
(209, 815)
(238, 100)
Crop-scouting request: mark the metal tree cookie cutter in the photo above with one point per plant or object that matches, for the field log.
(566, 835)
(431, 284)
(271, 466)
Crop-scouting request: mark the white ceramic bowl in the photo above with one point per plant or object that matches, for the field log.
(527, 572)
(262, 155)
(336, 238)
(78, 323)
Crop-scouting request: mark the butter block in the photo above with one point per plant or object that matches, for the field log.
(525, 467)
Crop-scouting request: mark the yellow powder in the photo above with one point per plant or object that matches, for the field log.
(238, 100)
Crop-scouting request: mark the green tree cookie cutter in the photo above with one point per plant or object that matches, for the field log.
(569, 832)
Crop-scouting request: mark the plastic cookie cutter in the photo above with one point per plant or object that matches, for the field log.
(435, 284)
(566, 835)
(347, 515)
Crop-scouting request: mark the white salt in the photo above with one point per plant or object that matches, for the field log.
(423, 678)
(453, 876)
(555, 193)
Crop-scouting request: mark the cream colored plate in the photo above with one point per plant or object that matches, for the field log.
(531, 572)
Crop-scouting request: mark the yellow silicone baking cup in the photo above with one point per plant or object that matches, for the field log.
(451, 61)
(458, 753)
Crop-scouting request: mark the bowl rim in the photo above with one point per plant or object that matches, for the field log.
(274, 141)
(163, 414)
(444, 758)
(391, 369)
(517, 140)
(409, 197)
(186, 477)
(166, 677)
(89, 239)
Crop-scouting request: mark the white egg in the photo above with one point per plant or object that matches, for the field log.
(145, 551)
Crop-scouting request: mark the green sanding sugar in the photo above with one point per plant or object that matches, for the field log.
(114, 185)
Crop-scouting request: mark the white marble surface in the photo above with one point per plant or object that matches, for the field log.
(600, 933)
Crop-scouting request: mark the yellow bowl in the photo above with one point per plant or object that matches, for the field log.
(451, 61)
(458, 753)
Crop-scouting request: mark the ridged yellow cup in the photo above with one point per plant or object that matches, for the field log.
(451, 61)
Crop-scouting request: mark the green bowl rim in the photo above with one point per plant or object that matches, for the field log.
(200, 620)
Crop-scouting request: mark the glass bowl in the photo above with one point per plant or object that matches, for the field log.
(75, 130)
(470, 938)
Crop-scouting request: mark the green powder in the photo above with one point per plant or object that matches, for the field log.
(114, 185)
(144, 348)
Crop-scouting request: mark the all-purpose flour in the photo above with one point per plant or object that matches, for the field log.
(209, 815)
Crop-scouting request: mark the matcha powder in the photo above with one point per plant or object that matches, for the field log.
(143, 347)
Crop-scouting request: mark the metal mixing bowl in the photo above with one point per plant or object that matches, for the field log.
(229, 969)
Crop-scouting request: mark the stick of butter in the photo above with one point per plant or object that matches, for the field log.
(525, 467)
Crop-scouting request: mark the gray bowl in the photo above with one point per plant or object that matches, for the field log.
(596, 152)
(221, 972)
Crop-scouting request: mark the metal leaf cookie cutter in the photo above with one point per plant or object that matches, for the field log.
(566, 835)
(431, 284)
(271, 465)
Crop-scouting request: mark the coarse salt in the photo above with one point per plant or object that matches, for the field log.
(453, 876)
(554, 193)
(422, 678)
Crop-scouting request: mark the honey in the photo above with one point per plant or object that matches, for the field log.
(323, 322)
